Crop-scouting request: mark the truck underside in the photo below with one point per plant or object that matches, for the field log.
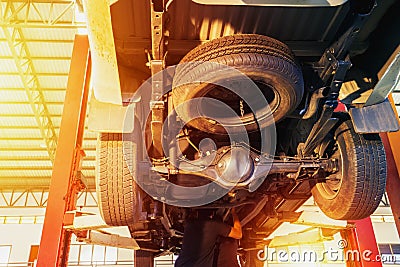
(237, 106)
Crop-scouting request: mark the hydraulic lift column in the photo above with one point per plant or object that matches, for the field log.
(65, 181)
(391, 141)
(362, 237)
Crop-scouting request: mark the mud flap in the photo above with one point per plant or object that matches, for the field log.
(110, 118)
(377, 118)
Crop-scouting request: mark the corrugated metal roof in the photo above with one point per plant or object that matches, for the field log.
(9, 95)
(52, 50)
(49, 35)
(8, 81)
(47, 30)
(8, 65)
(51, 66)
(53, 81)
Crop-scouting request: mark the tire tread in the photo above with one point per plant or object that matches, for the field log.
(115, 183)
(367, 160)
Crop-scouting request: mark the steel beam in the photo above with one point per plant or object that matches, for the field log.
(19, 103)
(35, 158)
(12, 148)
(16, 14)
(108, 239)
(33, 115)
(38, 57)
(319, 220)
(23, 198)
(308, 236)
(44, 41)
(64, 185)
(35, 183)
(136, 45)
(36, 168)
(36, 198)
(42, 89)
(46, 74)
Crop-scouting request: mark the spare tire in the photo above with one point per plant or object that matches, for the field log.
(267, 62)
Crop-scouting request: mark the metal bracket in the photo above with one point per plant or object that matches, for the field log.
(388, 83)
(308, 236)
(314, 219)
(321, 228)
(157, 30)
(340, 49)
(325, 123)
(107, 239)
(77, 178)
(333, 62)
(77, 220)
(88, 228)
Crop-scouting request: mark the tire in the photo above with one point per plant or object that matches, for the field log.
(143, 258)
(356, 190)
(267, 62)
(116, 188)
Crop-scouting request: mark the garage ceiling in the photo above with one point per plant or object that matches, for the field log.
(36, 40)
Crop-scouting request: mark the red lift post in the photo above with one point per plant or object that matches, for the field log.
(360, 238)
(65, 179)
(391, 141)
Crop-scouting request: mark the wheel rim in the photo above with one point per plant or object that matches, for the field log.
(272, 97)
(330, 188)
